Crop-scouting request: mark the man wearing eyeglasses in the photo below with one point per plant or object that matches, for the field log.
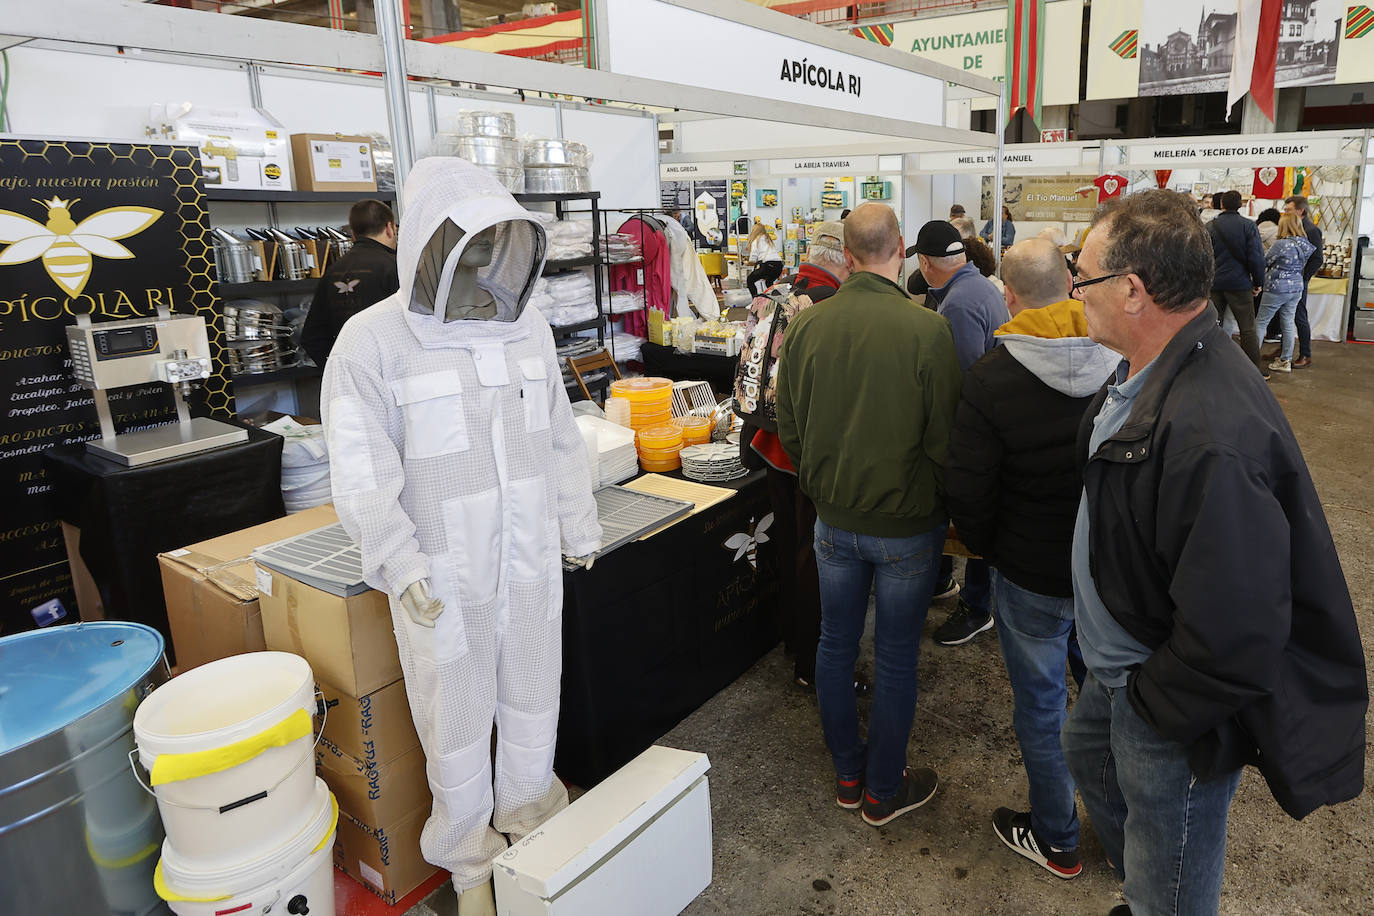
(1211, 608)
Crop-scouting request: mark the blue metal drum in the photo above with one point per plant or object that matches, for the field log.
(78, 834)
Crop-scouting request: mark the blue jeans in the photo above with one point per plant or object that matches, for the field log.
(1163, 830)
(1037, 637)
(977, 590)
(1286, 306)
(901, 573)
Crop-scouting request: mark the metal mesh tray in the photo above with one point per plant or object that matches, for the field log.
(626, 515)
(326, 559)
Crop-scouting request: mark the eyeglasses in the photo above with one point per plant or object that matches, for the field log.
(1079, 284)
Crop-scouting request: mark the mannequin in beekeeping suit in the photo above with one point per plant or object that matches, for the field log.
(457, 467)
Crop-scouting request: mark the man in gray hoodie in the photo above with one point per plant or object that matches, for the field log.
(1012, 485)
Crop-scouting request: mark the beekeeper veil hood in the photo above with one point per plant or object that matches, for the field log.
(466, 249)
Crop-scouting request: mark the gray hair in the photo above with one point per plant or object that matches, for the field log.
(1035, 271)
(825, 256)
(948, 261)
(1157, 236)
(965, 226)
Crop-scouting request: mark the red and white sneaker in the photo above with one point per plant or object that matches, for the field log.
(1014, 829)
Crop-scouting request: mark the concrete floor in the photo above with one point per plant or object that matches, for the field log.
(783, 847)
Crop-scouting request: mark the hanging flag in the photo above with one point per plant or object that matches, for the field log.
(1359, 22)
(1109, 186)
(1269, 182)
(1162, 178)
(882, 34)
(1114, 49)
(1127, 44)
(1256, 54)
(1025, 56)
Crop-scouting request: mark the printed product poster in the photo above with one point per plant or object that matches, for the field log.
(113, 230)
(1044, 199)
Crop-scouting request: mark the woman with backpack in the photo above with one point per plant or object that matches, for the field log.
(1283, 284)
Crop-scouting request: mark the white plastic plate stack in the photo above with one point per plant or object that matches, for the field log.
(617, 458)
(716, 461)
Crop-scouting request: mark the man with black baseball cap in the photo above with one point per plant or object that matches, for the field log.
(974, 309)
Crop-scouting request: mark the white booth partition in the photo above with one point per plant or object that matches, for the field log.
(1324, 166)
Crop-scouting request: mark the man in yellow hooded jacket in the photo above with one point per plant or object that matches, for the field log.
(1013, 485)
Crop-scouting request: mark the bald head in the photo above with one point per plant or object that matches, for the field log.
(1035, 274)
(872, 236)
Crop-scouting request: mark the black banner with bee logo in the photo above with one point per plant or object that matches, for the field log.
(109, 229)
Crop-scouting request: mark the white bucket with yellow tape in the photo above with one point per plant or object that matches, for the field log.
(295, 877)
(229, 749)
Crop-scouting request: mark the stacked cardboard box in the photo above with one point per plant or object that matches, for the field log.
(369, 753)
(212, 598)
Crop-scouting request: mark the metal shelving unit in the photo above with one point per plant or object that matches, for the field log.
(266, 288)
(295, 197)
(593, 260)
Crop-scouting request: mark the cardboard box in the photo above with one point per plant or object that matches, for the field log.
(333, 162)
(640, 842)
(212, 598)
(376, 727)
(348, 642)
(241, 148)
(387, 860)
(375, 793)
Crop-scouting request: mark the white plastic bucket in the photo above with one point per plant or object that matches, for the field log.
(224, 786)
(293, 877)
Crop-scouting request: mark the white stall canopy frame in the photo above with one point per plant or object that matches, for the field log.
(1328, 313)
(135, 27)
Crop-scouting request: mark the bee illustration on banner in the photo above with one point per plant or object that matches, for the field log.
(67, 247)
(747, 544)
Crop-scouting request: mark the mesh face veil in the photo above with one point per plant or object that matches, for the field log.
(451, 205)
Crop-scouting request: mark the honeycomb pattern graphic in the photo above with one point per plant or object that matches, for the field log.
(182, 165)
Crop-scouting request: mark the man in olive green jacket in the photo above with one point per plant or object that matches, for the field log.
(867, 387)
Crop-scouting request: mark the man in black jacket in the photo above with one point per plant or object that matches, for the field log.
(1239, 257)
(1012, 484)
(1211, 607)
(1298, 204)
(363, 277)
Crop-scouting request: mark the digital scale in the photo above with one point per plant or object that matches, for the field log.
(173, 349)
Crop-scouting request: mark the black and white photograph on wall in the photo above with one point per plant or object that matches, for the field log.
(1186, 46)
(1309, 40)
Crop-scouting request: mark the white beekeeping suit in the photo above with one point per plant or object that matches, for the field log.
(455, 460)
(689, 277)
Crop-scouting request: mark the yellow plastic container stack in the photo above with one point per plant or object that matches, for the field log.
(651, 400)
(695, 430)
(660, 447)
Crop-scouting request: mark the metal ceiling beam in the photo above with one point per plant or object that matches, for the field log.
(130, 24)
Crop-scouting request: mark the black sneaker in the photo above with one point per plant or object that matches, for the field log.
(1014, 829)
(946, 589)
(1120, 909)
(849, 793)
(918, 787)
(961, 626)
